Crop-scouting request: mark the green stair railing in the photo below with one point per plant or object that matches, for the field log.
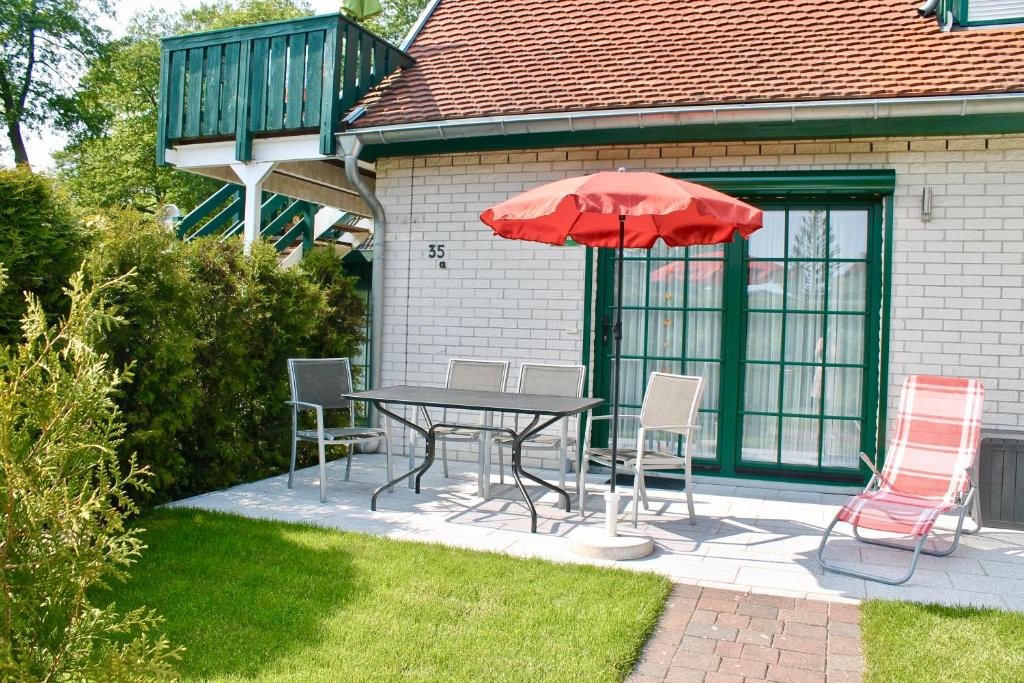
(284, 221)
(285, 76)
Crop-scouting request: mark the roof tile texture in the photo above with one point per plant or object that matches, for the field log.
(502, 57)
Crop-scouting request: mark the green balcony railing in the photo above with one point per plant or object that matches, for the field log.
(285, 76)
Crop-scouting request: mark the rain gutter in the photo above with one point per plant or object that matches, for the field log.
(658, 117)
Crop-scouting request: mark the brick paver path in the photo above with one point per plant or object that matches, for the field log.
(708, 635)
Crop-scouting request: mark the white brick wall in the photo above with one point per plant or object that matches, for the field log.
(958, 280)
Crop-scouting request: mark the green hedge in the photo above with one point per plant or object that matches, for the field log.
(207, 337)
(41, 243)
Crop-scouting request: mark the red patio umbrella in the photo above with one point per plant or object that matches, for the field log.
(624, 210)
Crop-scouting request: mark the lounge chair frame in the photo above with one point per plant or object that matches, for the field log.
(966, 500)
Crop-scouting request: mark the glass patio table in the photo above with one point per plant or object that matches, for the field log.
(546, 410)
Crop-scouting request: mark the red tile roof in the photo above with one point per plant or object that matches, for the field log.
(502, 57)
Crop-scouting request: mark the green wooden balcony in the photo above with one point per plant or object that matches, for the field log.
(278, 78)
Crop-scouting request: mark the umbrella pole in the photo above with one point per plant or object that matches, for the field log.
(612, 500)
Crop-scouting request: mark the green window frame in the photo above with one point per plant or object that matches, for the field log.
(961, 12)
(864, 189)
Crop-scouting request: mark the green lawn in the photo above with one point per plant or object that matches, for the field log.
(909, 642)
(268, 601)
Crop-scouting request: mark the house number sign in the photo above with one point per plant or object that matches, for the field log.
(435, 252)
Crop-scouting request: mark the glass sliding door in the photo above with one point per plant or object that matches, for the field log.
(782, 327)
(672, 322)
(807, 338)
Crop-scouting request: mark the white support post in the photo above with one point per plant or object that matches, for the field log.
(252, 174)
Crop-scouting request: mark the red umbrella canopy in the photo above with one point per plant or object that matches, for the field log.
(588, 209)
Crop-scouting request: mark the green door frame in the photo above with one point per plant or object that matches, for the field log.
(863, 186)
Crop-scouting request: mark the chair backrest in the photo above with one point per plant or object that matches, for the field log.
(477, 375)
(938, 430)
(322, 381)
(551, 380)
(671, 401)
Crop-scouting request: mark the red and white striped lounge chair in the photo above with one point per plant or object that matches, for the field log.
(927, 470)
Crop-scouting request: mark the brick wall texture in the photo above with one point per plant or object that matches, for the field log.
(957, 287)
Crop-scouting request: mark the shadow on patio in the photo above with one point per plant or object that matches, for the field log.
(754, 537)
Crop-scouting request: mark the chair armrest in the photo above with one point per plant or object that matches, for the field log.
(303, 404)
(964, 496)
(970, 476)
(674, 429)
(591, 419)
(876, 476)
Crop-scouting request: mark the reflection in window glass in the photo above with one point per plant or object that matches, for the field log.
(848, 234)
(770, 240)
(764, 336)
(704, 335)
(760, 438)
(843, 388)
(664, 333)
(845, 339)
(800, 441)
(709, 371)
(761, 388)
(801, 392)
(847, 286)
(841, 444)
(803, 338)
(806, 285)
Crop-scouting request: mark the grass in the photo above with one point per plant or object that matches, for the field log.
(910, 642)
(268, 601)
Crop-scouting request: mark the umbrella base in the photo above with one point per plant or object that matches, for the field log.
(596, 544)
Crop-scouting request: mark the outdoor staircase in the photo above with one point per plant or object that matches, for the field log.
(291, 225)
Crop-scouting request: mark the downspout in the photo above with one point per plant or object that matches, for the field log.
(351, 147)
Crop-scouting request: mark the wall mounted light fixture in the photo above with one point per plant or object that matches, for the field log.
(926, 204)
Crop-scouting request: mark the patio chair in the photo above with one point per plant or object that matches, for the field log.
(927, 471)
(670, 406)
(318, 384)
(472, 375)
(545, 380)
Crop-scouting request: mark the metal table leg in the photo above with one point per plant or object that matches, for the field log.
(428, 435)
(518, 472)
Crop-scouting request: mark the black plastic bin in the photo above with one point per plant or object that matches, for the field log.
(1001, 482)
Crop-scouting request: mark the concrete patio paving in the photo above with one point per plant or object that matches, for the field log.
(748, 537)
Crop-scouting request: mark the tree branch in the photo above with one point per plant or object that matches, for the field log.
(27, 83)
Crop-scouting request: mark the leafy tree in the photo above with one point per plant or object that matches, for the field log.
(397, 17)
(65, 500)
(41, 244)
(112, 161)
(44, 44)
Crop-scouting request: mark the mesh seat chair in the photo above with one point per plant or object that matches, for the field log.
(471, 375)
(318, 384)
(670, 406)
(927, 471)
(545, 380)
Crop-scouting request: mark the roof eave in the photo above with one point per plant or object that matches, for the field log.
(780, 113)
